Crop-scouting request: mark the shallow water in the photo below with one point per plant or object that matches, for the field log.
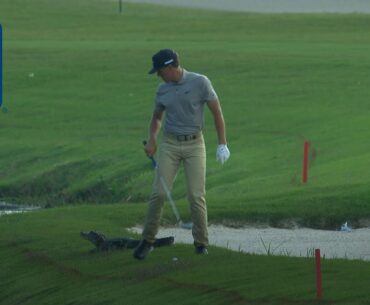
(7, 208)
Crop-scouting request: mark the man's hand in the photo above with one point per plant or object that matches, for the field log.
(150, 148)
(154, 127)
(223, 153)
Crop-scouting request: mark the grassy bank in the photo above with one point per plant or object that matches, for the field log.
(48, 263)
(79, 100)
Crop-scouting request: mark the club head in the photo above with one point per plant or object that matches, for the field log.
(187, 226)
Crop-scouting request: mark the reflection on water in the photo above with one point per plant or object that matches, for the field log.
(7, 208)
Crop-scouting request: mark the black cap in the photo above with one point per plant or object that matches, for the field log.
(163, 58)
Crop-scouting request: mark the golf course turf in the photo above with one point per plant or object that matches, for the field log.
(79, 100)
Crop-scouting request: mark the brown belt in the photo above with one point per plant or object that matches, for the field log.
(186, 137)
(182, 138)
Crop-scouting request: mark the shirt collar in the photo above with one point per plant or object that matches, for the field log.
(183, 78)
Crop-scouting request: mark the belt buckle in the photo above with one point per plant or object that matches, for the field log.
(185, 137)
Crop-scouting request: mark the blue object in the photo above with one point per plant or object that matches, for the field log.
(154, 163)
(345, 227)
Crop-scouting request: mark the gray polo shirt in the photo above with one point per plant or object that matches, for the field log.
(184, 102)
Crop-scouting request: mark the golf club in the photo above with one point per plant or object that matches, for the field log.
(180, 223)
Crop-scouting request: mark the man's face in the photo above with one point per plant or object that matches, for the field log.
(165, 73)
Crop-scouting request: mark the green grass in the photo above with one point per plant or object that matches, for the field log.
(48, 263)
(73, 132)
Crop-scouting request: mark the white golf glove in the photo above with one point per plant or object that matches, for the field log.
(223, 153)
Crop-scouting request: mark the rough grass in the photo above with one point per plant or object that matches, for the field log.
(48, 263)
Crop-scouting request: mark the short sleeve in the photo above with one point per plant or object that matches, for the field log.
(158, 104)
(209, 93)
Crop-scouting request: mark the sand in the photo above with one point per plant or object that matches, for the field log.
(289, 242)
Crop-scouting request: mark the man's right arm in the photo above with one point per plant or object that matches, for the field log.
(154, 128)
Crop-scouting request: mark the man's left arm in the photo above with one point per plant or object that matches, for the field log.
(222, 153)
(218, 117)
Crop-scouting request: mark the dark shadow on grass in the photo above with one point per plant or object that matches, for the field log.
(139, 275)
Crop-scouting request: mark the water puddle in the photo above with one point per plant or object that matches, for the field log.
(8, 208)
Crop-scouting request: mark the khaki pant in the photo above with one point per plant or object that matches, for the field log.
(192, 155)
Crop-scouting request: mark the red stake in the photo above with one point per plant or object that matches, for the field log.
(318, 274)
(305, 161)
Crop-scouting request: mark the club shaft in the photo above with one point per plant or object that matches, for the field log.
(169, 196)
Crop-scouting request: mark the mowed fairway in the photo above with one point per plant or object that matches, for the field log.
(79, 100)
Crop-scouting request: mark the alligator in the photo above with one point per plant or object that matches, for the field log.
(104, 244)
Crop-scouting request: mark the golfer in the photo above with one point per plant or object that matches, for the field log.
(180, 101)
